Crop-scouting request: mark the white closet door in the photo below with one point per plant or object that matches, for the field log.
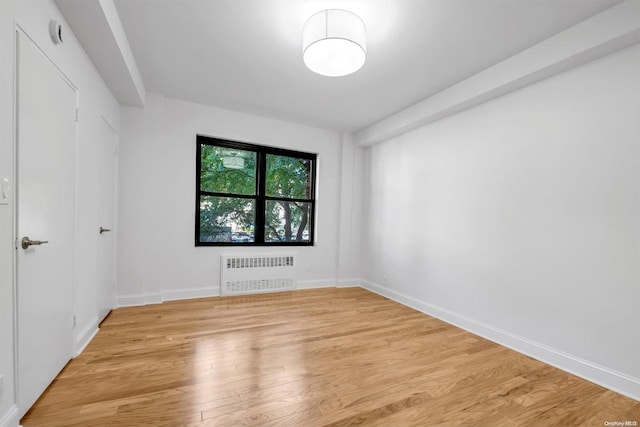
(106, 192)
(45, 215)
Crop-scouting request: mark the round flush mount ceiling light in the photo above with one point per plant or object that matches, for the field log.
(334, 43)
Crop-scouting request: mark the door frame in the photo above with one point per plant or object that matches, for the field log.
(21, 32)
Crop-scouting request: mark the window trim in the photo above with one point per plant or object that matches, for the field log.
(260, 196)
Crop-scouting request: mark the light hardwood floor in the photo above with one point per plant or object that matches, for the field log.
(329, 357)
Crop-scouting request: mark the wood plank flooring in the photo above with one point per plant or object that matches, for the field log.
(328, 357)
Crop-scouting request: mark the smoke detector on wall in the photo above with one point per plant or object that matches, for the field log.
(55, 32)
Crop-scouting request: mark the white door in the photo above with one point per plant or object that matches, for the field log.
(106, 141)
(46, 105)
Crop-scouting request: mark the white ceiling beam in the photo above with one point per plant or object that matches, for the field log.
(97, 25)
(136, 95)
(611, 30)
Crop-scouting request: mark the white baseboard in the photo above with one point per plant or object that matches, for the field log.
(153, 299)
(616, 381)
(137, 300)
(349, 283)
(168, 295)
(10, 418)
(178, 294)
(84, 337)
(315, 284)
(130, 300)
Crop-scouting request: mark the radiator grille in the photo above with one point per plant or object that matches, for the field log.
(260, 262)
(242, 275)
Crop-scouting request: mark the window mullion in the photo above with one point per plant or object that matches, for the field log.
(260, 200)
(287, 199)
(234, 195)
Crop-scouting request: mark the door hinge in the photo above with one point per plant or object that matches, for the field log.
(74, 321)
(77, 114)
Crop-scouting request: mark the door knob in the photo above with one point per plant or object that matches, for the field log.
(104, 230)
(26, 242)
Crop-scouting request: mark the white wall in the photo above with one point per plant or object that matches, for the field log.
(351, 181)
(157, 259)
(33, 16)
(519, 219)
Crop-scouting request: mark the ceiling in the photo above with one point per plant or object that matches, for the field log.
(245, 55)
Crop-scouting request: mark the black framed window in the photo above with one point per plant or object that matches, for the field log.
(249, 194)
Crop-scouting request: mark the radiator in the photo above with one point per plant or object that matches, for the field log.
(242, 275)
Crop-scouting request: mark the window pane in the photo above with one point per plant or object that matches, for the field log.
(287, 221)
(227, 219)
(288, 177)
(227, 170)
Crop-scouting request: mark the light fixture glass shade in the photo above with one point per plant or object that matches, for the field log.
(233, 162)
(334, 43)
